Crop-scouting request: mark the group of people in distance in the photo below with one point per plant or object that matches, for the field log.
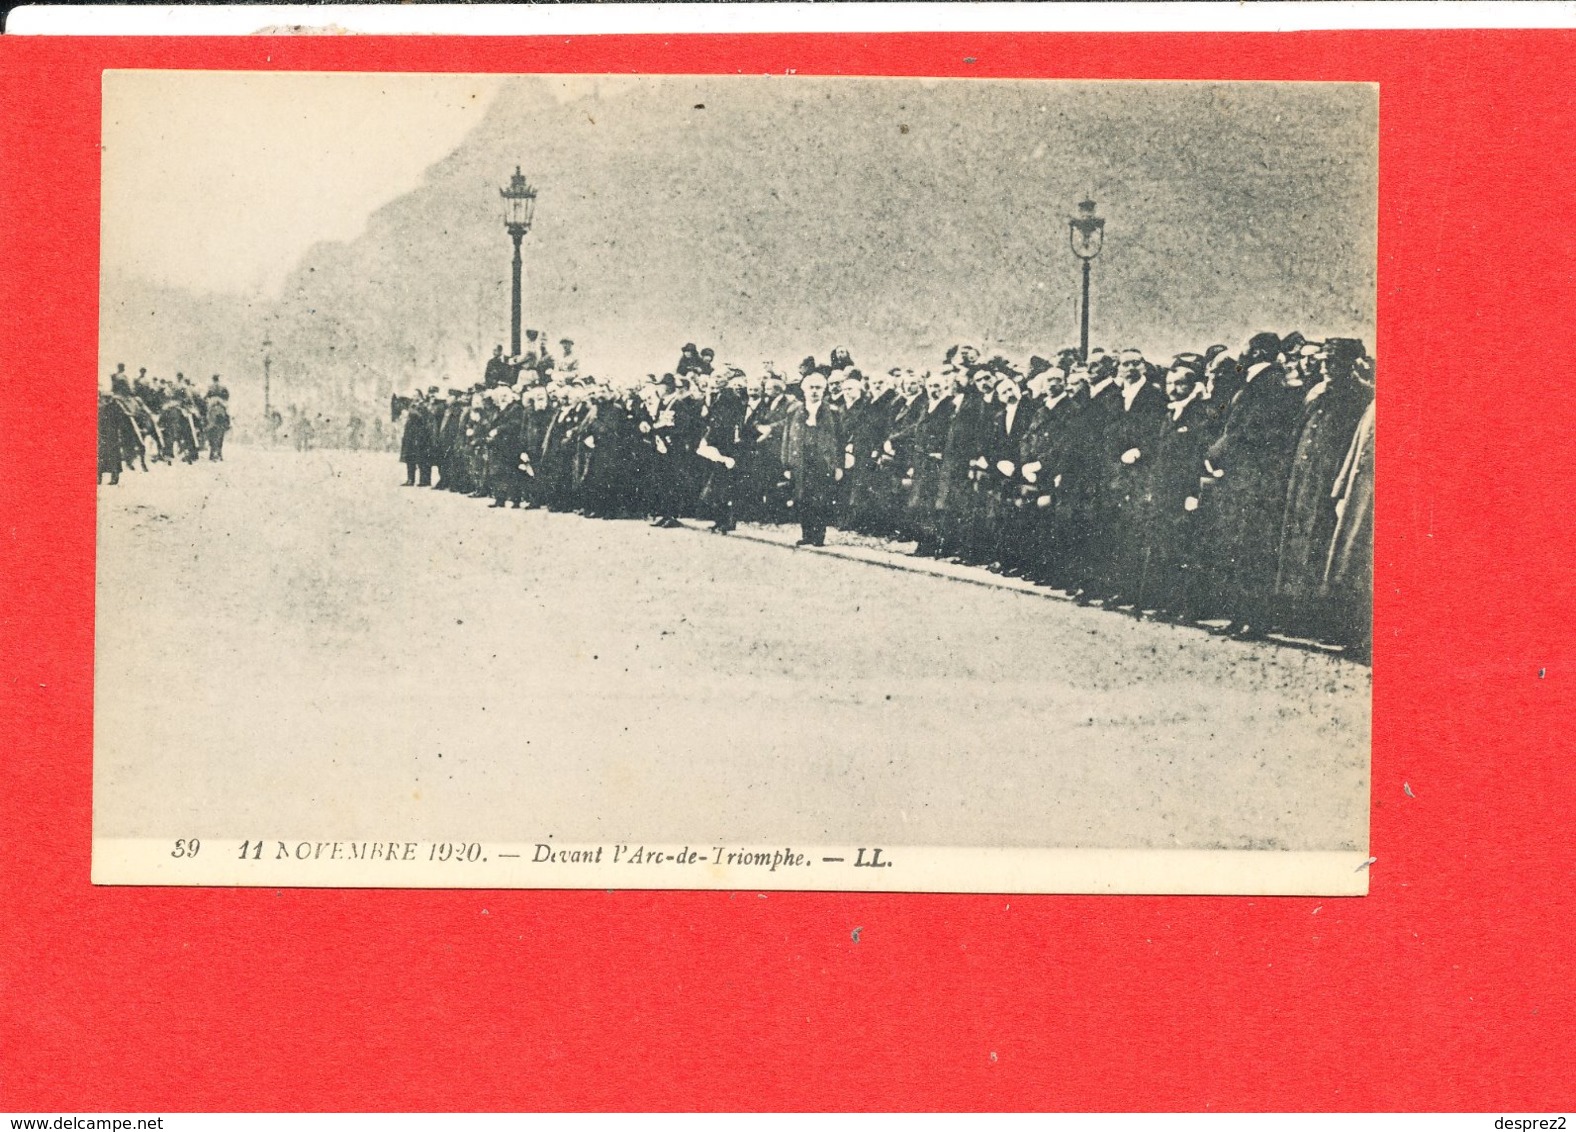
(150, 418)
(1234, 489)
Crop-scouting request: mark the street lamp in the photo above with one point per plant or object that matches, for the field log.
(1085, 232)
(519, 206)
(267, 362)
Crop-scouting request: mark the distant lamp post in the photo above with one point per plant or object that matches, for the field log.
(519, 206)
(1085, 232)
(268, 361)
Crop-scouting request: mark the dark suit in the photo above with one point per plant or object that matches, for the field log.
(533, 438)
(928, 448)
(760, 449)
(868, 424)
(505, 442)
(814, 454)
(1171, 560)
(1003, 536)
(955, 497)
(416, 444)
(688, 471)
(1329, 421)
(1131, 428)
(896, 457)
(1248, 500)
(1050, 442)
(1086, 533)
(724, 434)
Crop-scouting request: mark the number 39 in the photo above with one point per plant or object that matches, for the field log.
(186, 847)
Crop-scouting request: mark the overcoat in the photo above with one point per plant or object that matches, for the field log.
(1329, 422)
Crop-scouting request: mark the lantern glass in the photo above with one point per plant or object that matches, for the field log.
(519, 203)
(1086, 231)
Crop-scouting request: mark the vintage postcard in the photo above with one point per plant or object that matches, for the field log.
(735, 482)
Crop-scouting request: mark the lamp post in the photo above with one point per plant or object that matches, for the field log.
(519, 206)
(1085, 232)
(267, 362)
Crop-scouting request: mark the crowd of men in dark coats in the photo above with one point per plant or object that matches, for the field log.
(150, 418)
(1231, 489)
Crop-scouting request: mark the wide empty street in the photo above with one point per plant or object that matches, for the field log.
(293, 644)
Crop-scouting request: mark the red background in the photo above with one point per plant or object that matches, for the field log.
(1449, 987)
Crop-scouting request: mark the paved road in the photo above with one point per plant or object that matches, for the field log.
(295, 645)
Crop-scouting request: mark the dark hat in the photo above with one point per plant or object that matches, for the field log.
(1346, 350)
(1262, 347)
(1000, 364)
(1038, 365)
(432, 389)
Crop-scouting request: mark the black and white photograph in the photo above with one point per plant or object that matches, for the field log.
(737, 482)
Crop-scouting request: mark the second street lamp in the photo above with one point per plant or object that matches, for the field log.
(1085, 232)
(519, 207)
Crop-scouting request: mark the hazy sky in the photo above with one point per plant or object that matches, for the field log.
(767, 216)
(225, 191)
